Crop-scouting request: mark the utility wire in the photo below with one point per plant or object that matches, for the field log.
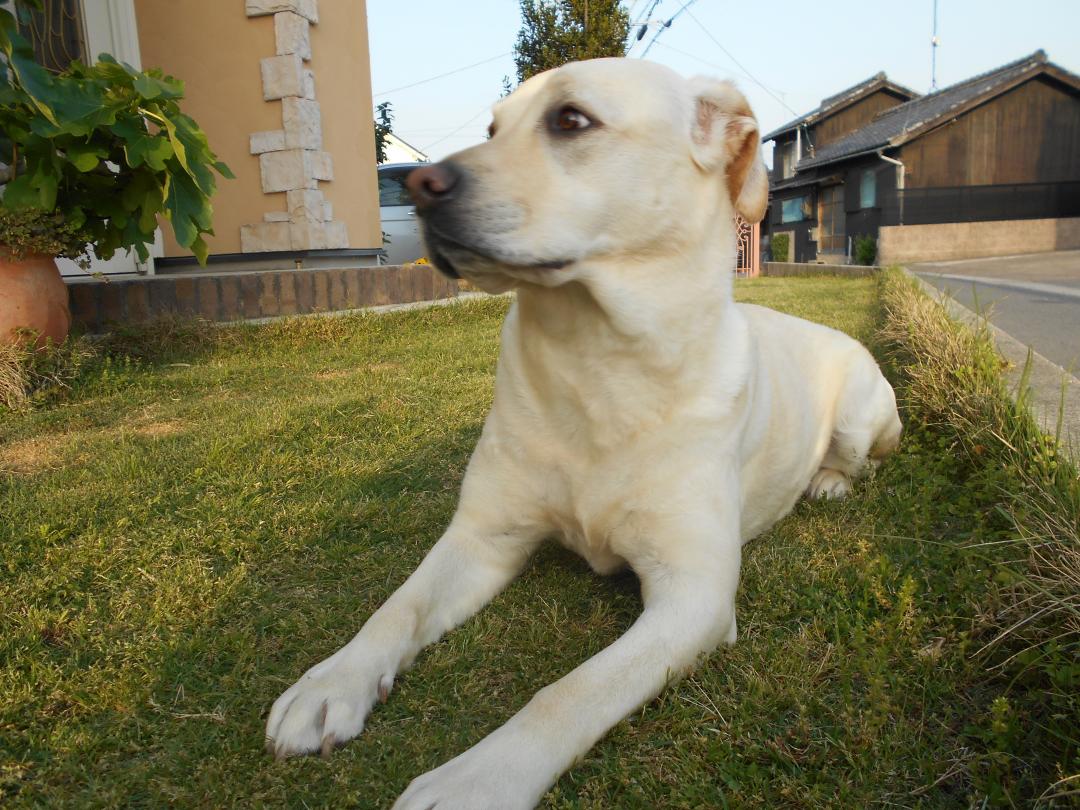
(723, 68)
(450, 134)
(441, 75)
(667, 25)
(642, 25)
(749, 75)
(645, 17)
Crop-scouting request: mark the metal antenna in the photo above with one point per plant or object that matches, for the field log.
(933, 53)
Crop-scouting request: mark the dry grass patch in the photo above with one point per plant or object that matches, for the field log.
(29, 456)
(27, 374)
(154, 430)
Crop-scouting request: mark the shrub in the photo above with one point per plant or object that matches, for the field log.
(779, 246)
(104, 147)
(865, 249)
(30, 230)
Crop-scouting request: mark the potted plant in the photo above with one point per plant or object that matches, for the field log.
(90, 158)
(34, 296)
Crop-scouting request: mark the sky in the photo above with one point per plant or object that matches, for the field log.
(785, 55)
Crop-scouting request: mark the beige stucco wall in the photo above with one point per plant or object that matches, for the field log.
(901, 244)
(215, 48)
(342, 65)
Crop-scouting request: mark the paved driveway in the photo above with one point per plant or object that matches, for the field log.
(1035, 298)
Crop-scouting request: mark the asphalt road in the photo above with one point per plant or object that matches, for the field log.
(1035, 298)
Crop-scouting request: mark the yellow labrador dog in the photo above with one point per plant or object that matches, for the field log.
(640, 415)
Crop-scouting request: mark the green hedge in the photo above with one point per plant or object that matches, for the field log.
(778, 246)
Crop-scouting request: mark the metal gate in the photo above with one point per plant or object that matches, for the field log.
(748, 242)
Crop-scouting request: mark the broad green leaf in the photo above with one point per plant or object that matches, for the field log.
(148, 217)
(73, 103)
(85, 162)
(36, 188)
(151, 150)
(134, 196)
(187, 209)
(21, 193)
(178, 146)
(201, 251)
(85, 158)
(32, 77)
(197, 152)
(146, 87)
(129, 127)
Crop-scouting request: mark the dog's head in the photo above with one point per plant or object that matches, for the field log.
(597, 160)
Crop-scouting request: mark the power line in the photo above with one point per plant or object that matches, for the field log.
(685, 6)
(441, 75)
(642, 25)
(644, 17)
(749, 75)
(450, 134)
(725, 69)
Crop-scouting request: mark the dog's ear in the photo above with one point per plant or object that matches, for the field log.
(724, 136)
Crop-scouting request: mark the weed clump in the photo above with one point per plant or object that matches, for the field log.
(29, 375)
(952, 379)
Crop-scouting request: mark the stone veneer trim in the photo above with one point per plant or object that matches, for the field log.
(291, 159)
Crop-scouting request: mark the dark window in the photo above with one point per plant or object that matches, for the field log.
(392, 188)
(796, 209)
(868, 189)
(57, 34)
(831, 220)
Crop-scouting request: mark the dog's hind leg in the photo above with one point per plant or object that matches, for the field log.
(481, 552)
(867, 429)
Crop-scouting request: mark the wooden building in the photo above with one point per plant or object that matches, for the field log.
(1002, 145)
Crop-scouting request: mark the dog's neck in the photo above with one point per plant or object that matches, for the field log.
(651, 305)
(629, 341)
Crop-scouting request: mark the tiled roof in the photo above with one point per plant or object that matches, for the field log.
(830, 103)
(893, 126)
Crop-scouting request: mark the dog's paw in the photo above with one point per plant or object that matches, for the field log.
(327, 706)
(830, 484)
(471, 781)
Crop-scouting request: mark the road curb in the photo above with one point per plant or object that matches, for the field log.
(1054, 391)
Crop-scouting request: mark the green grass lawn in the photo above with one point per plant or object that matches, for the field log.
(206, 515)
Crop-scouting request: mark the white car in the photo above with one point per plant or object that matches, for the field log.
(401, 240)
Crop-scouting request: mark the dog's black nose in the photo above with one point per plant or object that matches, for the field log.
(431, 185)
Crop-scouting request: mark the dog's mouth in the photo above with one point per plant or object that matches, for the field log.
(449, 255)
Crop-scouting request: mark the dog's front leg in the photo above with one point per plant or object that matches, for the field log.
(469, 565)
(689, 609)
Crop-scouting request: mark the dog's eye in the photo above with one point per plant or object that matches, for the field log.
(570, 118)
(491, 130)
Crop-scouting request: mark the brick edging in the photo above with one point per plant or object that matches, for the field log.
(244, 296)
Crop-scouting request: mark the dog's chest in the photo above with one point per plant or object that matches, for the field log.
(592, 507)
(591, 542)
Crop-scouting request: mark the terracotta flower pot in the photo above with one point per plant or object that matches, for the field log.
(32, 296)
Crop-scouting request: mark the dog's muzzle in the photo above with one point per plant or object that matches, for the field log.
(438, 191)
(431, 188)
